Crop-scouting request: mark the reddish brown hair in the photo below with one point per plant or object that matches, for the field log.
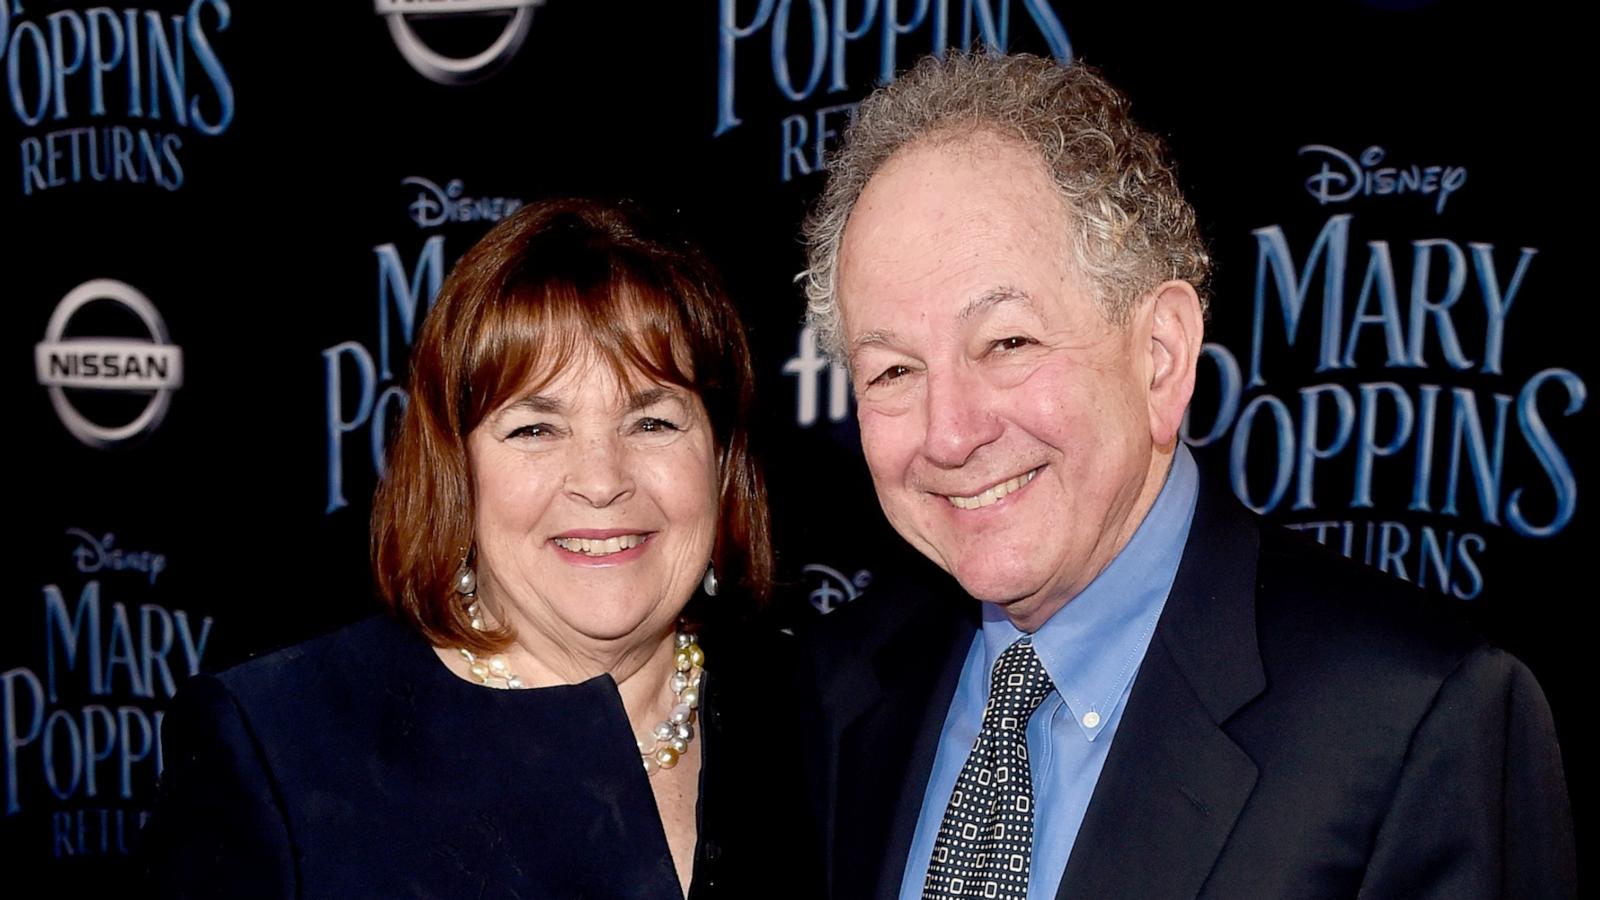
(557, 280)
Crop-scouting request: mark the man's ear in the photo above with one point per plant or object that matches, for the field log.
(1177, 329)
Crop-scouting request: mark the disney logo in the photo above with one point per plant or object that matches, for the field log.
(1342, 177)
(435, 206)
(97, 554)
(833, 588)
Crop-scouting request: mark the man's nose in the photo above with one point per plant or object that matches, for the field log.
(960, 418)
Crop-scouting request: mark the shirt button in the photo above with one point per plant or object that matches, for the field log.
(1091, 719)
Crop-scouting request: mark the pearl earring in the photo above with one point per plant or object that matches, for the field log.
(709, 584)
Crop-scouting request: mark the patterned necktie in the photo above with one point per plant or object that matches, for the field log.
(985, 843)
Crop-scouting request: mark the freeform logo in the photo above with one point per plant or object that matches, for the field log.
(435, 205)
(1366, 175)
(152, 365)
(834, 588)
(807, 366)
(450, 70)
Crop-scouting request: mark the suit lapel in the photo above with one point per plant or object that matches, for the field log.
(1174, 782)
(886, 752)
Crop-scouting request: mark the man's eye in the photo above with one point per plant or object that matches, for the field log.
(1015, 342)
(655, 425)
(890, 374)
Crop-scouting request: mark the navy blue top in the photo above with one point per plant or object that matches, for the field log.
(358, 765)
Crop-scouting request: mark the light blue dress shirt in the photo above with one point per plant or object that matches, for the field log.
(1092, 648)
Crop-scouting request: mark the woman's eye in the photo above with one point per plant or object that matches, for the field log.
(538, 430)
(655, 425)
(892, 373)
(1011, 343)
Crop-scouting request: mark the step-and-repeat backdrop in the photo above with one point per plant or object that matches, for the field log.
(223, 222)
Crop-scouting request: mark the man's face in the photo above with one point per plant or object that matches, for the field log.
(1007, 424)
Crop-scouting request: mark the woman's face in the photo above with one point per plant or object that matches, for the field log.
(596, 505)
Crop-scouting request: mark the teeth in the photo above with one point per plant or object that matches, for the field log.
(600, 547)
(993, 494)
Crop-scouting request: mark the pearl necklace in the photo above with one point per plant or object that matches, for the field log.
(668, 741)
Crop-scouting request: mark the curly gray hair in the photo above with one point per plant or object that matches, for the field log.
(1130, 227)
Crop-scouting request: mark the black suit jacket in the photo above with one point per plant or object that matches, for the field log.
(1301, 726)
(356, 765)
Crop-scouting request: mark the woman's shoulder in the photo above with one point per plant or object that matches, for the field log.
(341, 670)
(377, 640)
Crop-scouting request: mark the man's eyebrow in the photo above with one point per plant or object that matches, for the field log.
(985, 301)
(875, 336)
(992, 298)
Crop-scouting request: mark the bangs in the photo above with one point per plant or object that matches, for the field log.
(583, 306)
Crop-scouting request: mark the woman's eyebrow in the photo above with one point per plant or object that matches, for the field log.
(649, 397)
(537, 403)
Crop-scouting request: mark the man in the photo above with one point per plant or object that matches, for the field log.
(1129, 688)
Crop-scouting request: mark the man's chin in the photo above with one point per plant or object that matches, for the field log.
(1003, 589)
(1021, 596)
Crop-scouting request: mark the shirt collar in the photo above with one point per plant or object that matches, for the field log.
(1093, 645)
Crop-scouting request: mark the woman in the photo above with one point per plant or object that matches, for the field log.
(538, 718)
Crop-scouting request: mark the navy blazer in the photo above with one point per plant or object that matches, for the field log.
(357, 765)
(1301, 726)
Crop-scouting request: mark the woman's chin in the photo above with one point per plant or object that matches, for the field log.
(621, 624)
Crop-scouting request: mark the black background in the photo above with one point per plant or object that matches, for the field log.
(264, 258)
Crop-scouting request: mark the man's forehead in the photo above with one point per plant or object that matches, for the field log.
(967, 146)
(931, 202)
(985, 301)
(967, 262)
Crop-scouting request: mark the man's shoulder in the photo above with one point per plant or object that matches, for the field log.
(1318, 606)
(1313, 609)
(1376, 705)
(1348, 650)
